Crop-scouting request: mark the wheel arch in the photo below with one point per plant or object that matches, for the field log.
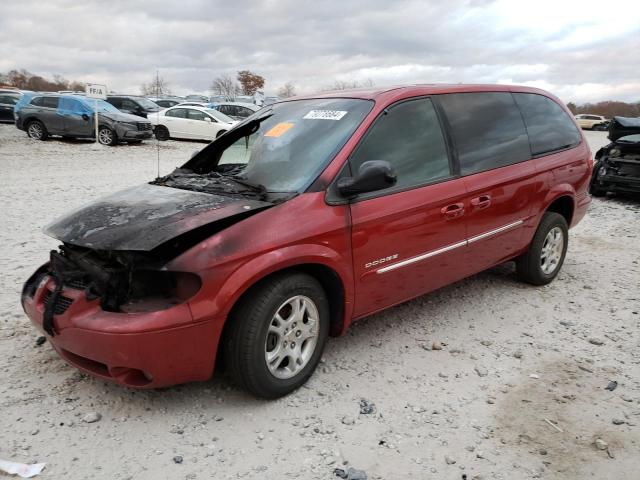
(564, 205)
(329, 279)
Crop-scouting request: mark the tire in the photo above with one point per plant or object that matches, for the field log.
(220, 133)
(540, 264)
(162, 133)
(106, 136)
(37, 130)
(251, 335)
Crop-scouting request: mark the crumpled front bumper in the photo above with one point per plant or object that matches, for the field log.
(141, 350)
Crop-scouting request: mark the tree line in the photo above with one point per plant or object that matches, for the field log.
(25, 80)
(607, 108)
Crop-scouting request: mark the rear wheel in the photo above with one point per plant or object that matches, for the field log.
(277, 334)
(162, 133)
(106, 136)
(545, 256)
(37, 130)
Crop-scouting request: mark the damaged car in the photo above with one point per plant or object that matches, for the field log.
(308, 215)
(617, 165)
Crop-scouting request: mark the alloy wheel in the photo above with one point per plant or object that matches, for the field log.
(552, 249)
(105, 136)
(292, 337)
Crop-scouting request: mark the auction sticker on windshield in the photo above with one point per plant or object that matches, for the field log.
(325, 115)
(278, 129)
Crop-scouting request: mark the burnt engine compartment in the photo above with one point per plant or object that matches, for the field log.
(123, 281)
(622, 159)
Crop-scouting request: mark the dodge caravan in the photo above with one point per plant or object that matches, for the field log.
(307, 216)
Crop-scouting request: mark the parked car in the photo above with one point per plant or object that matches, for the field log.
(303, 219)
(73, 117)
(617, 166)
(139, 106)
(195, 104)
(166, 102)
(235, 110)
(592, 122)
(197, 98)
(7, 102)
(195, 123)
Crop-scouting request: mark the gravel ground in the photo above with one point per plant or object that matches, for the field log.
(517, 390)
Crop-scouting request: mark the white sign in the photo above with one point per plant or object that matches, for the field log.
(95, 90)
(325, 115)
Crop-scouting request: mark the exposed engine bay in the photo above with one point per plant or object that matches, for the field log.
(617, 166)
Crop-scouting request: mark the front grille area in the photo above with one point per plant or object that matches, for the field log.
(144, 126)
(61, 305)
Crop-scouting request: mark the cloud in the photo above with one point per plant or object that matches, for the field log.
(578, 49)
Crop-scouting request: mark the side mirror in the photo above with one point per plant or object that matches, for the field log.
(373, 175)
(85, 117)
(207, 119)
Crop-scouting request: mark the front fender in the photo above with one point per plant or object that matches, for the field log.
(223, 287)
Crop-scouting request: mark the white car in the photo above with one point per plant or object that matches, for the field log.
(236, 110)
(594, 122)
(195, 123)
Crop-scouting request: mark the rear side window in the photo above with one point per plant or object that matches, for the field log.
(50, 102)
(548, 125)
(177, 112)
(487, 129)
(409, 137)
(38, 101)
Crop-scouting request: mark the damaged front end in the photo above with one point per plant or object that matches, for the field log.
(617, 165)
(121, 281)
(115, 250)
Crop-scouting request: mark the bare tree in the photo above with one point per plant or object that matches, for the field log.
(287, 90)
(250, 82)
(346, 85)
(225, 86)
(158, 86)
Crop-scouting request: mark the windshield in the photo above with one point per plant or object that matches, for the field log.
(221, 117)
(147, 104)
(291, 143)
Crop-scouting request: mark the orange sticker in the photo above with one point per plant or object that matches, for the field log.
(278, 130)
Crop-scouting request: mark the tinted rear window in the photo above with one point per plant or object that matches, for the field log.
(548, 125)
(487, 130)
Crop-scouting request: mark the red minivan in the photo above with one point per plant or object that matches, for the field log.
(310, 214)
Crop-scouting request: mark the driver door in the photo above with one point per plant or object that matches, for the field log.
(410, 238)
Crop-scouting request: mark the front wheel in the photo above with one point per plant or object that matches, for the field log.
(106, 136)
(277, 334)
(540, 264)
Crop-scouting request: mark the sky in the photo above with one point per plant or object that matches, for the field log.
(583, 51)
